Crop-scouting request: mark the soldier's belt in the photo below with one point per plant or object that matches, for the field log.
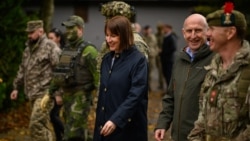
(59, 74)
(216, 138)
(61, 70)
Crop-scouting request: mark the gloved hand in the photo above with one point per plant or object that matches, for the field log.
(44, 101)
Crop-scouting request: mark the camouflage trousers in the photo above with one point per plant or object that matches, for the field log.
(160, 74)
(40, 126)
(241, 137)
(211, 138)
(152, 66)
(76, 110)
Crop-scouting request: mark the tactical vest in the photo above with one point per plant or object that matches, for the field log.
(72, 70)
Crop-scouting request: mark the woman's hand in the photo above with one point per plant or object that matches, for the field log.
(108, 128)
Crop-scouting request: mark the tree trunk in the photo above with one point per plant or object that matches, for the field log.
(47, 11)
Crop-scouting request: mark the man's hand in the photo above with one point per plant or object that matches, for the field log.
(108, 128)
(44, 101)
(13, 95)
(159, 134)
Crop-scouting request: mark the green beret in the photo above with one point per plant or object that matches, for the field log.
(115, 8)
(33, 25)
(219, 18)
(74, 21)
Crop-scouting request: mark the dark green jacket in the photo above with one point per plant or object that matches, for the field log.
(181, 102)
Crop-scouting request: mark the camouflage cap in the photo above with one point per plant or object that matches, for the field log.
(74, 20)
(115, 8)
(33, 25)
(227, 18)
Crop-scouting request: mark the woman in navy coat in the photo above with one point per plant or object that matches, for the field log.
(121, 113)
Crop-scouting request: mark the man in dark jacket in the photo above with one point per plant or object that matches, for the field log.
(180, 103)
(167, 54)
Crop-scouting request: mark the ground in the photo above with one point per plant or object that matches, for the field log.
(13, 124)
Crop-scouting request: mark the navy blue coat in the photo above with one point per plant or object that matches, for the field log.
(123, 96)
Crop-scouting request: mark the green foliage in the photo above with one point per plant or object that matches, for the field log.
(12, 39)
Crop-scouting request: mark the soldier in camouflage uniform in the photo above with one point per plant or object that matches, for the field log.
(77, 76)
(35, 72)
(225, 94)
(159, 36)
(112, 9)
(151, 41)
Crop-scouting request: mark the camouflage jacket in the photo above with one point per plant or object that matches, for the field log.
(35, 70)
(224, 102)
(151, 41)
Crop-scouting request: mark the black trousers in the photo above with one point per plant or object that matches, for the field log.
(167, 69)
(57, 122)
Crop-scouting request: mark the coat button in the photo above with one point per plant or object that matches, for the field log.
(102, 108)
(105, 89)
(100, 127)
(109, 71)
(117, 55)
(129, 120)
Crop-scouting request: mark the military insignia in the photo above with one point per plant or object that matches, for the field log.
(213, 97)
(228, 17)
